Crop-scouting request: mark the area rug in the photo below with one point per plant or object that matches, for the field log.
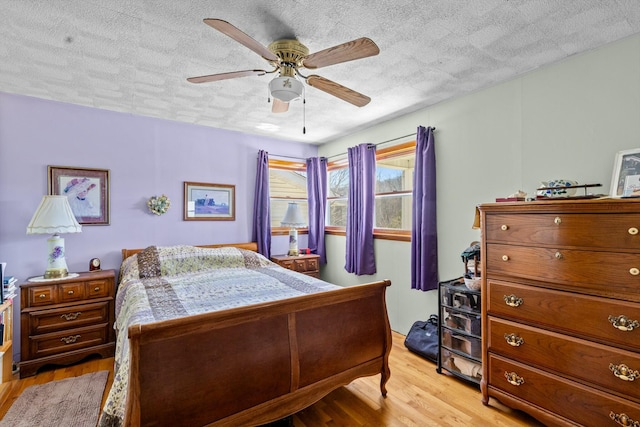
(70, 402)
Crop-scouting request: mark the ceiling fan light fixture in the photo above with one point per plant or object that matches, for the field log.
(286, 88)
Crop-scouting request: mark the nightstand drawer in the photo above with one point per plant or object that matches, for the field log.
(68, 340)
(71, 292)
(42, 295)
(305, 264)
(45, 321)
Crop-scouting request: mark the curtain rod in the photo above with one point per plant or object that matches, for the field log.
(342, 154)
(380, 143)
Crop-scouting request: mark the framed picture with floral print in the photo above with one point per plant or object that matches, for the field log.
(86, 189)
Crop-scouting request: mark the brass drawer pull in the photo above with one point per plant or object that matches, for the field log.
(623, 372)
(70, 292)
(70, 339)
(557, 220)
(633, 231)
(504, 227)
(623, 323)
(513, 378)
(623, 420)
(513, 340)
(96, 289)
(634, 271)
(42, 296)
(71, 316)
(505, 257)
(558, 255)
(513, 301)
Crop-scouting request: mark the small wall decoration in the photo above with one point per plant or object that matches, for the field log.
(627, 164)
(209, 202)
(87, 190)
(159, 204)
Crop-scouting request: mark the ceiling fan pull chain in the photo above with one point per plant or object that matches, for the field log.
(304, 113)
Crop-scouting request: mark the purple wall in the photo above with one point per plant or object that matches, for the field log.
(145, 156)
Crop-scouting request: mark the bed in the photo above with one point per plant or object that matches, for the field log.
(221, 335)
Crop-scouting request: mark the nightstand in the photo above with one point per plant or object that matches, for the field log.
(306, 264)
(65, 320)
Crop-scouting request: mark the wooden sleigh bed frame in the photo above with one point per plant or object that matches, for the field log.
(273, 358)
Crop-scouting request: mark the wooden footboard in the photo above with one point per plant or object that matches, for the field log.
(257, 364)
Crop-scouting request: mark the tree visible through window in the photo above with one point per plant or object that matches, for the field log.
(287, 183)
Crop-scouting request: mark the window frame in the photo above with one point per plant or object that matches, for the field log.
(286, 165)
(397, 150)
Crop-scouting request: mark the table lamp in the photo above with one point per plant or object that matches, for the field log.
(293, 218)
(54, 216)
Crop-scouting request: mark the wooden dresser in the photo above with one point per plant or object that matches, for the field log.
(561, 309)
(306, 264)
(63, 321)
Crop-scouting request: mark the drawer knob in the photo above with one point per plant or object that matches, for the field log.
(513, 301)
(623, 419)
(71, 316)
(623, 372)
(633, 231)
(557, 220)
(70, 339)
(504, 227)
(513, 340)
(513, 378)
(70, 292)
(505, 257)
(558, 255)
(634, 271)
(42, 296)
(624, 323)
(96, 289)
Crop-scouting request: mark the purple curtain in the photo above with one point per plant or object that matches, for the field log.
(424, 236)
(360, 210)
(261, 210)
(317, 191)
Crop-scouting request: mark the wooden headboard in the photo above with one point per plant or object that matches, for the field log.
(251, 246)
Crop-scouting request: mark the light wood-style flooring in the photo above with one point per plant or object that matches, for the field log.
(417, 396)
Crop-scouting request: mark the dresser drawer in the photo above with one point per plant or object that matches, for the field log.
(42, 295)
(69, 340)
(67, 291)
(583, 270)
(584, 360)
(582, 315)
(574, 401)
(601, 230)
(45, 321)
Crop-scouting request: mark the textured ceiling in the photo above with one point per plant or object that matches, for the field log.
(134, 56)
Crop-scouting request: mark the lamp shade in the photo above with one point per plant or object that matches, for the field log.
(53, 216)
(293, 217)
(285, 88)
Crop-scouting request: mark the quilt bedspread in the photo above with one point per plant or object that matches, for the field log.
(161, 283)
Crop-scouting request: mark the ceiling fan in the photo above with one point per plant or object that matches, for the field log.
(288, 56)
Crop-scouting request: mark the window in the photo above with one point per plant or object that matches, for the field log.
(394, 193)
(287, 183)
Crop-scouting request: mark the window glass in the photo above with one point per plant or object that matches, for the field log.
(337, 198)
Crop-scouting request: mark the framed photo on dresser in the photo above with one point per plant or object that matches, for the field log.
(626, 164)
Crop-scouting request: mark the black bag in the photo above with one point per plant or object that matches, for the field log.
(422, 338)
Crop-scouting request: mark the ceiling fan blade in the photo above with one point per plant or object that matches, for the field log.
(279, 106)
(242, 38)
(339, 91)
(355, 49)
(226, 76)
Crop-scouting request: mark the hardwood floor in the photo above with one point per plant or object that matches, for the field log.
(417, 396)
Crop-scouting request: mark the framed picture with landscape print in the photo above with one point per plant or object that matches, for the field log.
(86, 189)
(209, 202)
(625, 181)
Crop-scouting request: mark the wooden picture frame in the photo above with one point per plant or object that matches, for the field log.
(87, 190)
(209, 202)
(627, 163)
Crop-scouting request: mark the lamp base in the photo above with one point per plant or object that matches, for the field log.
(56, 273)
(56, 262)
(293, 242)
